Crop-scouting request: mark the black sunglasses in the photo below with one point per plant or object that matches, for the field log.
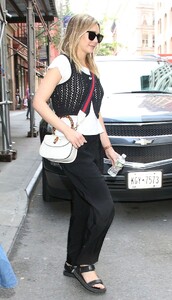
(92, 35)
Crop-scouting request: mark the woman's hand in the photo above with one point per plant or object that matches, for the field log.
(112, 155)
(75, 137)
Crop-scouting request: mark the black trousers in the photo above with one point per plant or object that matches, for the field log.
(92, 208)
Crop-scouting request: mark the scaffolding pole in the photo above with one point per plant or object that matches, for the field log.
(6, 153)
(31, 65)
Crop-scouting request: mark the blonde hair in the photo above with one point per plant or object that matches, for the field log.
(77, 26)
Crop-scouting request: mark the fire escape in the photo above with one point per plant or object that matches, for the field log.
(26, 15)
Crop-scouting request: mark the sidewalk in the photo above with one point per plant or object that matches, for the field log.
(18, 177)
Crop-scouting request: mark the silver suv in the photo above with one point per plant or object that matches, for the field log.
(137, 110)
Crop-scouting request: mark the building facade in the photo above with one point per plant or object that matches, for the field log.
(145, 29)
(163, 24)
(20, 65)
(135, 28)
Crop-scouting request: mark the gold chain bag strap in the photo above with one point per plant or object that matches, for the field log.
(55, 147)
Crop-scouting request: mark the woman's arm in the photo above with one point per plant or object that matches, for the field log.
(106, 144)
(40, 104)
(43, 95)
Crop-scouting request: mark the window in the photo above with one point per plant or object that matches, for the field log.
(145, 40)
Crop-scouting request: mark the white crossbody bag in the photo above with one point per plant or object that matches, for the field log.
(55, 147)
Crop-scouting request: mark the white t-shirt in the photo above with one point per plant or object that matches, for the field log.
(90, 125)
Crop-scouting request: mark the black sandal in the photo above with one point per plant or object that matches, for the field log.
(88, 285)
(68, 270)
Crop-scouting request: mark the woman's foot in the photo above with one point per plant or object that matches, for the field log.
(87, 276)
(90, 276)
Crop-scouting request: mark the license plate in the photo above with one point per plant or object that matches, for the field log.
(145, 180)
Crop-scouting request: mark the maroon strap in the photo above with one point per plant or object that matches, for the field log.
(88, 100)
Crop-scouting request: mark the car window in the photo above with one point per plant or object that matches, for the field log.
(122, 76)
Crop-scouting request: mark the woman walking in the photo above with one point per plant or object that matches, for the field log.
(67, 82)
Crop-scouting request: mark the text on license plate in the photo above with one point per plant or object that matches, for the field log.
(144, 180)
